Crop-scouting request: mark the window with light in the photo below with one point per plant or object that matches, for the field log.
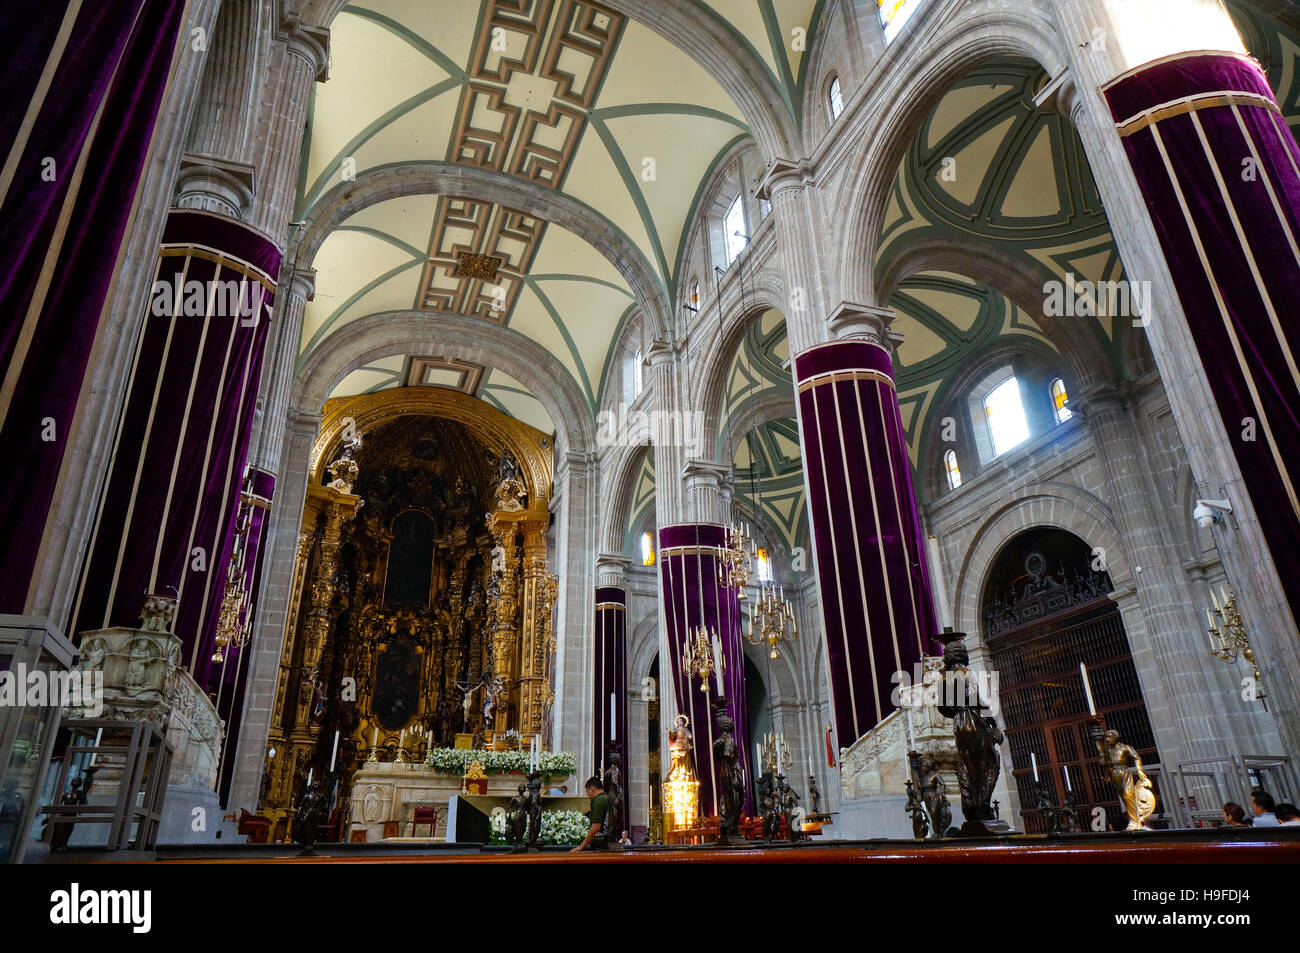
(647, 549)
(733, 226)
(951, 470)
(1060, 400)
(1005, 413)
(894, 15)
(834, 98)
(638, 373)
(763, 564)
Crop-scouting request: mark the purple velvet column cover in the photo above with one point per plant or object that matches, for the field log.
(1220, 170)
(173, 493)
(610, 675)
(867, 535)
(692, 595)
(76, 175)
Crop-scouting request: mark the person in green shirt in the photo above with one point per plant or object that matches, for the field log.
(596, 838)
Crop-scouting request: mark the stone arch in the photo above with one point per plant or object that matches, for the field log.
(981, 32)
(472, 339)
(618, 483)
(1021, 282)
(447, 178)
(1058, 505)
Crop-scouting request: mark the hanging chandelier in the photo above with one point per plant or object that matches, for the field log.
(771, 620)
(736, 559)
(702, 657)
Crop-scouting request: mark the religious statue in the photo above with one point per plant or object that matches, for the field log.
(313, 811)
(534, 809)
(978, 737)
(517, 821)
(442, 733)
(920, 825)
(814, 795)
(157, 613)
(768, 807)
(934, 792)
(1124, 765)
(613, 784)
(789, 801)
(731, 782)
(510, 490)
(679, 749)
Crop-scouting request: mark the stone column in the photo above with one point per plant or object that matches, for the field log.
(575, 505)
(609, 671)
(1217, 158)
(298, 286)
(693, 597)
(799, 223)
(868, 543)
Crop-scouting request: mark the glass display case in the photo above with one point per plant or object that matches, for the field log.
(32, 654)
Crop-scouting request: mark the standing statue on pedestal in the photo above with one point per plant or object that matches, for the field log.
(731, 782)
(517, 821)
(920, 825)
(311, 814)
(534, 809)
(613, 782)
(768, 808)
(978, 737)
(789, 800)
(1124, 765)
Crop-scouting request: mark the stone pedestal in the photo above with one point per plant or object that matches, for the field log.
(144, 681)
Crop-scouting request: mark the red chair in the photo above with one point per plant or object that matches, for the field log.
(255, 827)
(424, 815)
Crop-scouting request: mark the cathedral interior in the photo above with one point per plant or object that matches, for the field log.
(646, 429)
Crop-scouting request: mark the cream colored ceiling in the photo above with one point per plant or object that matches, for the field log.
(582, 100)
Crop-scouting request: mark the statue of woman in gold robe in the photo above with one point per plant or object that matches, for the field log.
(1124, 765)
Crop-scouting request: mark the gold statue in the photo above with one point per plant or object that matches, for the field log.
(679, 747)
(1131, 783)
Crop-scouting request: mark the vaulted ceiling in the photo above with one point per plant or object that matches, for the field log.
(566, 94)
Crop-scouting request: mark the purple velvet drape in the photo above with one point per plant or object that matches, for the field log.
(610, 675)
(867, 535)
(688, 568)
(81, 163)
(173, 491)
(1221, 176)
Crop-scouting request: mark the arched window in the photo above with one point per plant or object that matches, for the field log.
(638, 376)
(763, 565)
(1005, 414)
(647, 549)
(733, 230)
(834, 98)
(693, 294)
(951, 470)
(894, 14)
(1060, 400)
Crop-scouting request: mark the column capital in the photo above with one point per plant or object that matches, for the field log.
(1062, 95)
(706, 473)
(852, 320)
(310, 43)
(301, 282)
(660, 351)
(216, 185)
(610, 569)
(782, 174)
(1100, 398)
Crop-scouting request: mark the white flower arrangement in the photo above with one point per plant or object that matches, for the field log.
(559, 828)
(553, 764)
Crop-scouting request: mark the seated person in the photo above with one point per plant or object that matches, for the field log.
(1287, 815)
(1234, 815)
(1261, 804)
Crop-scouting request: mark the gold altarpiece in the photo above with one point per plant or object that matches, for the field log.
(421, 604)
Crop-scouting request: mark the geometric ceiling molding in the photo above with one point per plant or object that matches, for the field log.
(449, 372)
(768, 468)
(563, 138)
(1275, 46)
(757, 373)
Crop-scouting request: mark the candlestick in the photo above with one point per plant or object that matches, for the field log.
(334, 753)
(1087, 688)
(1033, 761)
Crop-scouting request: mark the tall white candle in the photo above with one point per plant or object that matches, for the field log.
(758, 758)
(1210, 631)
(309, 770)
(613, 719)
(1033, 761)
(1066, 769)
(335, 752)
(939, 585)
(1087, 688)
(374, 741)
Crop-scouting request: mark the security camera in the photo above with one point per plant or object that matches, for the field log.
(1208, 512)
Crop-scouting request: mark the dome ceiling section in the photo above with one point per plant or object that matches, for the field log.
(569, 95)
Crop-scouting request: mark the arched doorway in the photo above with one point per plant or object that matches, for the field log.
(1046, 609)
